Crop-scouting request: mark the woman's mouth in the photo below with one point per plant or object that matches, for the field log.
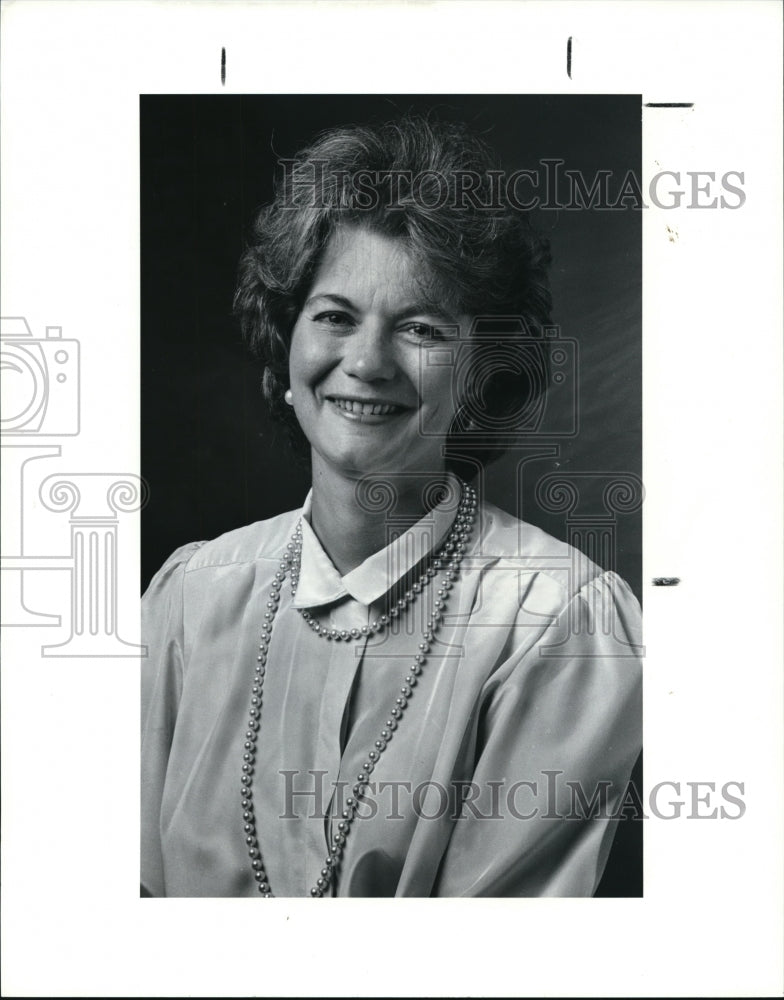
(357, 409)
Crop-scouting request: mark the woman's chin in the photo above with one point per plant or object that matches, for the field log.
(358, 463)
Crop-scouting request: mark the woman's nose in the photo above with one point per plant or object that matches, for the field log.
(369, 354)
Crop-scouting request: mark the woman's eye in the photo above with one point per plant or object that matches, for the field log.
(425, 331)
(334, 319)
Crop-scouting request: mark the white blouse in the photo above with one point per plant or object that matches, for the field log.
(508, 765)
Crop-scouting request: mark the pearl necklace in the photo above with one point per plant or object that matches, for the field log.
(448, 560)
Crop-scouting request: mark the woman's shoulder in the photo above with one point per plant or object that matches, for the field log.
(261, 540)
(559, 567)
(504, 536)
(596, 606)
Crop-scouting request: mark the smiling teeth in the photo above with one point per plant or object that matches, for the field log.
(365, 409)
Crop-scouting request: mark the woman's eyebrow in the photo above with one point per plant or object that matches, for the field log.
(425, 309)
(339, 300)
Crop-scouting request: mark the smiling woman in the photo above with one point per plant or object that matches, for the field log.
(360, 367)
(370, 696)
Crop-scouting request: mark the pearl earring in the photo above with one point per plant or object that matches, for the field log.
(287, 395)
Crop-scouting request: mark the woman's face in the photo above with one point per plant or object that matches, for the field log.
(371, 366)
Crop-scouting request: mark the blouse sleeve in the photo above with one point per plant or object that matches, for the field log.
(161, 677)
(560, 725)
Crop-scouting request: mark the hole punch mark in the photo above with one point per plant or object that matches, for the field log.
(223, 67)
(666, 581)
(569, 57)
(673, 104)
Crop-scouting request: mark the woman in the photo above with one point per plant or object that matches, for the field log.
(398, 690)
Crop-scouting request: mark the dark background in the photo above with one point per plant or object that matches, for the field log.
(211, 456)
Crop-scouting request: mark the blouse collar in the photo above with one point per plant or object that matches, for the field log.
(320, 582)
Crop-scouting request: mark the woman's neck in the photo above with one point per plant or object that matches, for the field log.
(351, 517)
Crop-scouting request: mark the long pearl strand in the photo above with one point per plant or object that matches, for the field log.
(448, 561)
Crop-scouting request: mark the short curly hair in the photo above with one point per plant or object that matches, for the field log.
(435, 186)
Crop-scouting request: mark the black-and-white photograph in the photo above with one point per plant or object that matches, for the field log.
(391, 429)
(391, 498)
